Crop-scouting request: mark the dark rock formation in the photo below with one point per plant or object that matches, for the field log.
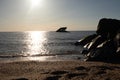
(106, 44)
(95, 42)
(86, 40)
(108, 27)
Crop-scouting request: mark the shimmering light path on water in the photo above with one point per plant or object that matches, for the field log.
(40, 45)
(35, 41)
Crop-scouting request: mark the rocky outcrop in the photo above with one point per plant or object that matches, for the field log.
(105, 45)
(108, 28)
(86, 40)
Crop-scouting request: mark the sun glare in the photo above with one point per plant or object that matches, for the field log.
(36, 3)
(36, 43)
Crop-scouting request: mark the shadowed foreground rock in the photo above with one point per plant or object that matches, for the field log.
(105, 45)
(86, 40)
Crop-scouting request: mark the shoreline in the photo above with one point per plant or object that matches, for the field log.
(43, 58)
(59, 70)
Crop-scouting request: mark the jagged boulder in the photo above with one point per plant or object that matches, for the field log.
(108, 28)
(106, 45)
(86, 40)
(106, 51)
(118, 44)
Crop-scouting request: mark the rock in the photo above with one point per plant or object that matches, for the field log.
(85, 52)
(97, 41)
(117, 38)
(103, 53)
(108, 28)
(105, 46)
(86, 40)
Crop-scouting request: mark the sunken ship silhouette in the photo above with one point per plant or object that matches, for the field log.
(62, 29)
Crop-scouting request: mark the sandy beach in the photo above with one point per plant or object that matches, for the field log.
(59, 70)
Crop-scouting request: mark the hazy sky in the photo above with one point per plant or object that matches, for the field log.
(49, 15)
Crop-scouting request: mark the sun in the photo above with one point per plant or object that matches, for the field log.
(36, 3)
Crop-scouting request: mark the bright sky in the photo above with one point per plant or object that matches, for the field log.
(49, 15)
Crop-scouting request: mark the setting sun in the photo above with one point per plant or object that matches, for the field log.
(35, 3)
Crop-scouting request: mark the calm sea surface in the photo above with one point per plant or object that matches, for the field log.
(40, 45)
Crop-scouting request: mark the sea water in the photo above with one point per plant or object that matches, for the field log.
(41, 45)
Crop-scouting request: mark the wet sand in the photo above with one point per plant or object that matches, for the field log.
(59, 70)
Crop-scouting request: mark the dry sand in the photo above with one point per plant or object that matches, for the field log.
(59, 70)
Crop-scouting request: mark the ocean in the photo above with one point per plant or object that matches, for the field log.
(41, 45)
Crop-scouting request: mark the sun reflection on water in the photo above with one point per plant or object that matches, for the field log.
(36, 40)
